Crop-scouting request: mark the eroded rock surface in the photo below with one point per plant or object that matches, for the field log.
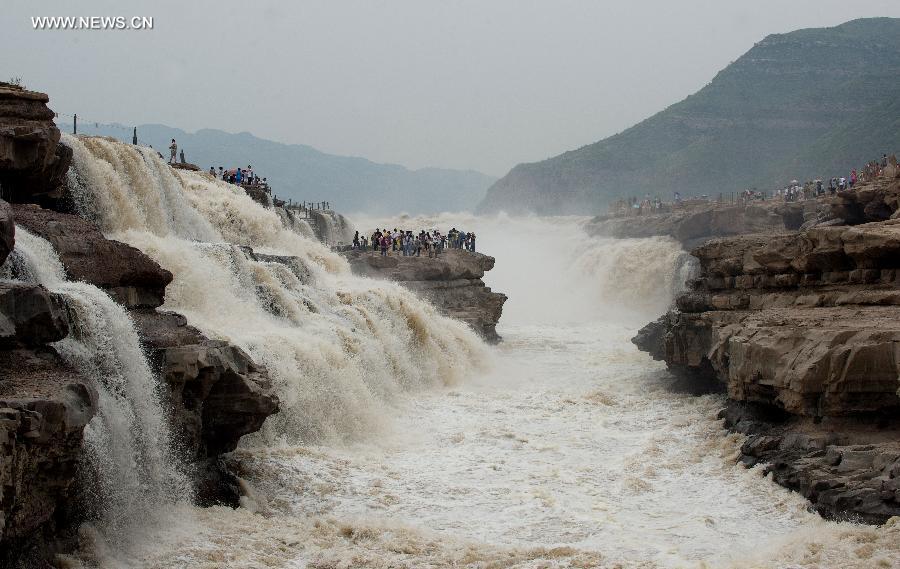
(33, 163)
(44, 406)
(127, 274)
(452, 282)
(216, 395)
(692, 224)
(805, 326)
(848, 468)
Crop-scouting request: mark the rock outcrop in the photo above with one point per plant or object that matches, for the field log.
(452, 282)
(31, 315)
(216, 394)
(33, 163)
(44, 406)
(693, 223)
(129, 276)
(847, 467)
(804, 326)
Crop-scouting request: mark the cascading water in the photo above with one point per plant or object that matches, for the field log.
(568, 451)
(339, 347)
(131, 471)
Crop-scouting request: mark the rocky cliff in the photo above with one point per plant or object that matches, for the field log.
(692, 223)
(44, 406)
(33, 163)
(801, 331)
(452, 282)
(213, 391)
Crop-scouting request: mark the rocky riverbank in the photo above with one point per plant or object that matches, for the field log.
(452, 282)
(214, 392)
(692, 223)
(801, 331)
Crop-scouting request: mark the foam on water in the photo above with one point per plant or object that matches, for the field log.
(568, 451)
(340, 348)
(131, 471)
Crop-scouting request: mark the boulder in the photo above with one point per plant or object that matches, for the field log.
(7, 231)
(128, 275)
(33, 163)
(30, 315)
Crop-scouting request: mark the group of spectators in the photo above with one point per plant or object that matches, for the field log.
(239, 176)
(633, 206)
(795, 191)
(432, 243)
(816, 188)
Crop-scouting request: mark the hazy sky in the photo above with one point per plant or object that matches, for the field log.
(481, 84)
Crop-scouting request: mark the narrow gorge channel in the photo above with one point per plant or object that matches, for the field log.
(401, 438)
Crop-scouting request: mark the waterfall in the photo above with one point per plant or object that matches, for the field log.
(295, 223)
(339, 348)
(131, 469)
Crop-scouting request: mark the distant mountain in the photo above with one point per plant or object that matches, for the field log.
(303, 173)
(809, 103)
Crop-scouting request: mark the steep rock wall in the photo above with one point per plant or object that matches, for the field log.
(802, 330)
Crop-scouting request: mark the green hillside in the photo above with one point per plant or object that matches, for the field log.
(809, 103)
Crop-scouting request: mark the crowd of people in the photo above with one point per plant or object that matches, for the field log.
(794, 191)
(239, 176)
(431, 243)
(633, 206)
(816, 188)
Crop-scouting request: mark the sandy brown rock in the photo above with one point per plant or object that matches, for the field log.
(451, 281)
(692, 224)
(128, 275)
(804, 327)
(33, 163)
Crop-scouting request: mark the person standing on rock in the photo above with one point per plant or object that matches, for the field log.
(356, 241)
(173, 151)
(385, 243)
(212, 171)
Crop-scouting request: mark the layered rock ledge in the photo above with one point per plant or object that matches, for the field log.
(802, 331)
(452, 282)
(33, 163)
(693, 223)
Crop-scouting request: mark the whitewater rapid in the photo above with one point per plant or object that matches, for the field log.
(403, 441)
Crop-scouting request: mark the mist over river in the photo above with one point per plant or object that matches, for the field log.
(570, 451)
(403, 440)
